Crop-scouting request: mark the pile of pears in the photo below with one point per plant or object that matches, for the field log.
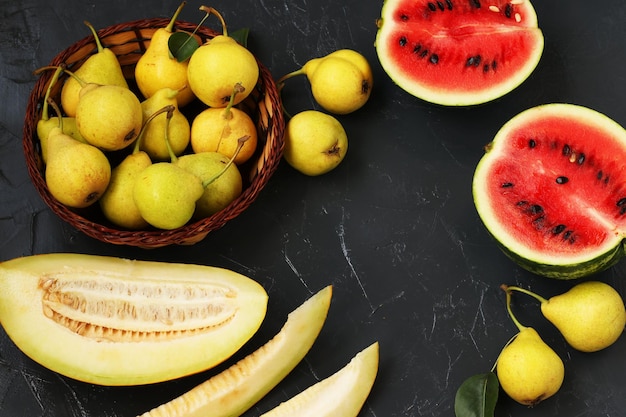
(590, 316)
(129, 146)
(341, 83)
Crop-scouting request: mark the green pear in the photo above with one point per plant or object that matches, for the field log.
(221, 179)
(102, 67)
(217, 65)
(528, 370)
(76, 173)
(591, 315)
(117, 202)
(47, 123)
(157, 68)
(166, 194)
(109, 116)
(153, 142)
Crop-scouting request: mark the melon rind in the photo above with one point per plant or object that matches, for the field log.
(571, 265)
(121, 363)
(456, 93)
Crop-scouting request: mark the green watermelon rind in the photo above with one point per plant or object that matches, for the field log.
(453, 97)
(573, 267)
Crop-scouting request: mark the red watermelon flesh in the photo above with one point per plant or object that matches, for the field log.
(455, 52)
(552, 186)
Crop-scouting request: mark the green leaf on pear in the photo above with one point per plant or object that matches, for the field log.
(477, 396)
(182, 45)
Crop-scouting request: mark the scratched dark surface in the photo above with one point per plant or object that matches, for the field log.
(393, 228)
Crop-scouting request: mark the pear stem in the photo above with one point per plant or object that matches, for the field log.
(537, 297)
(170, 25)
(236, 90)
(168, 108)
(211, 10)
(519, 325)
(240, 143)
(57, 110)
(95, 35)
(281, 81)
(44, 112)
(170, 151)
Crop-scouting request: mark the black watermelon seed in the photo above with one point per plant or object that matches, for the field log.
(475, 3)
(562, 180)
(417, 48)
(486, 68)
(622, 210)
(424, 53)
(434, 59)
(535, 209)
(567, 234)
(599, 175)
(508, 10)
(606, 180)
(403, 41)
(432, 7)
(449, 3)
(507, 185)
(404, 17)
(581, 159)
(538, 222)
(621, 202)
(532, 143)
(558, 229)
(494, 65)
(567, 151)
(441, 6)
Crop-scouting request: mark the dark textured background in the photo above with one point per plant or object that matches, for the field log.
(393, 228)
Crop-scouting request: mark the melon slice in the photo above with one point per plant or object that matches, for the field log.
(233, 391)
(551, 189)
(113, 321)
(458, 52)
(340, 395)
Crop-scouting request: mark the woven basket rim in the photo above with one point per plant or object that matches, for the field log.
(194, 231)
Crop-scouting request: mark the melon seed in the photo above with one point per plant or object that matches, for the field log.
(441, 6)
(558, 229)
(473, 61)
(621, 202)
(494, 9)
(403, 41)
(580, 159)
(449, 3)
(432, 7)
(562, 180)
(475, 3)
(567, 151)
(107, 308)
(532, 143)
(434, 59)
(507, 185)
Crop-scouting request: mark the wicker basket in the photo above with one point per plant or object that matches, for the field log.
(129, 41)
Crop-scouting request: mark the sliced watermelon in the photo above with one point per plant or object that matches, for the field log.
(458, 52)
(551, 189)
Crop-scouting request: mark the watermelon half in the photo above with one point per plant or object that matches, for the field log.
(458, 52)
(551, 189)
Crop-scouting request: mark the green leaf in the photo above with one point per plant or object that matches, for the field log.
(477, 396)
(182, 45)
(241, 36)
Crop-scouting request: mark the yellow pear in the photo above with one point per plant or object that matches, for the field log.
(528, 370)
(591, 315)
(153, 138)
(315, 142)
(217, 65)
(221, 180)
(102, 67)
(157, 69)
(217, 129)
(341, 82)
(76, 173)
(166, 195)
(109, 116)
(117, 202)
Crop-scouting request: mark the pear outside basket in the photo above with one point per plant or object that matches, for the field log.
(129, 41)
